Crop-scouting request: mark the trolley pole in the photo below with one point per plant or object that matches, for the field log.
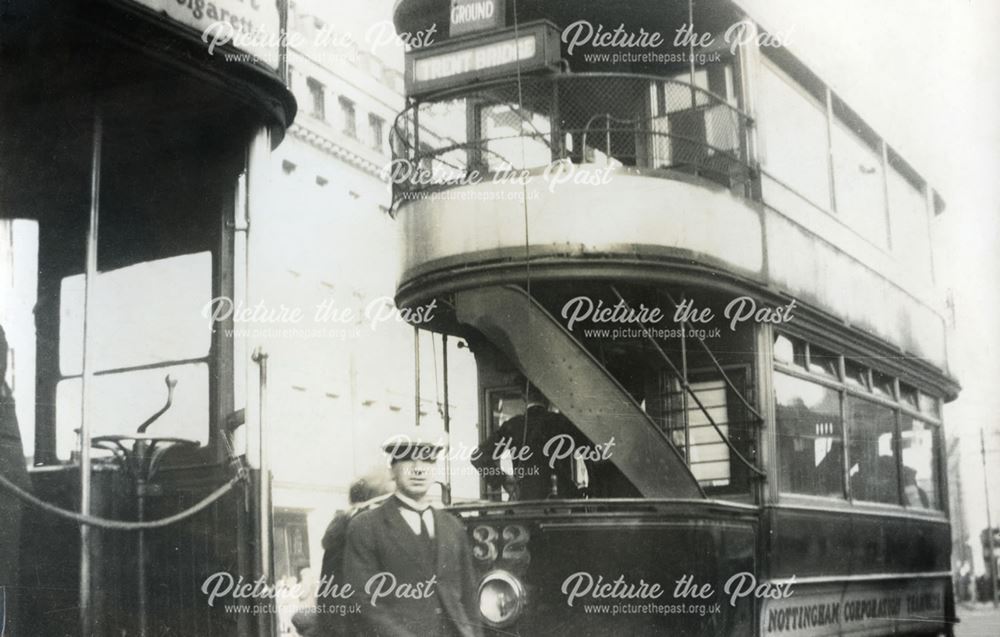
(989, 520)
(87, 374)
(446, 415)
(416, 376)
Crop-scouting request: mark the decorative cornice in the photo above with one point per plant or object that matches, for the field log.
(336, 149)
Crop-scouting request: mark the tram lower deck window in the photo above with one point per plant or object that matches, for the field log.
(920, 447)
(871, 428)
(892, 436)
(810, 443)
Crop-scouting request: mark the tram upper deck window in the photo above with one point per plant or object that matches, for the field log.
(794, 131)
(504, 144)
(810, 444)
(908, 215)
(859, 185)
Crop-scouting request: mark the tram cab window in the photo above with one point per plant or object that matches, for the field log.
(871, 430)
(920, 447)
(558, 462)
(166, 174)
(145, 316)
(810, 446)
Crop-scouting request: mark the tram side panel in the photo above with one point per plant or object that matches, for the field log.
(857, 573)
(619, 573)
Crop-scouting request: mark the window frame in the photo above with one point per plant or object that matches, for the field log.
(739, 374)
(899, 407)
(376, 127)
(348, 116)
(317, 95)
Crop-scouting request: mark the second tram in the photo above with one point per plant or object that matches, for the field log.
(719, 274)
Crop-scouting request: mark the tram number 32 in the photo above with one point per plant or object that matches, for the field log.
(511, 544)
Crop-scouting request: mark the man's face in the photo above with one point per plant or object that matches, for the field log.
(413, 477)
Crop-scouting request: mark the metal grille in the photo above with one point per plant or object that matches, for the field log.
(632, 120)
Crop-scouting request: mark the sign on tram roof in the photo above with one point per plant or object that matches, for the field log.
(471, 16)
(252, 26)
(531, 47)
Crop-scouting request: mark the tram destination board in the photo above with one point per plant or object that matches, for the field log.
(528, 48)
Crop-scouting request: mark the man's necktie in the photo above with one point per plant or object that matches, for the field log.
(425, 535)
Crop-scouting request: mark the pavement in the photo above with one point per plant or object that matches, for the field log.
(980, 620)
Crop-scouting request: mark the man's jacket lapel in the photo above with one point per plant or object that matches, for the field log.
(404, 540)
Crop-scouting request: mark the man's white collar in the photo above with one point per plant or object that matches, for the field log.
(410, 502)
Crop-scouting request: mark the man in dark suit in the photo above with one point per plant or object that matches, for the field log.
(325, 621)
(540, 471)
(410, 565)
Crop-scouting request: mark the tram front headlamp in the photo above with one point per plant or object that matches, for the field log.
(501, 598)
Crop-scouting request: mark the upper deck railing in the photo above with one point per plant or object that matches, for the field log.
(468, 135)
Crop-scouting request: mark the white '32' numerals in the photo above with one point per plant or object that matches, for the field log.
(513, 544)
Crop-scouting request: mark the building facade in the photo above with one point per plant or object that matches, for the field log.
(345, 381)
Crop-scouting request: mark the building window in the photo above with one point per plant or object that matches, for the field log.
(377, 126)
(349, 115)
(291, 544)
(317, 95)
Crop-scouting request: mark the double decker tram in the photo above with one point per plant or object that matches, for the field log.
(133, 158)
(709, 264)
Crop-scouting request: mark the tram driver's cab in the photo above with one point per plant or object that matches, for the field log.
(124, 201)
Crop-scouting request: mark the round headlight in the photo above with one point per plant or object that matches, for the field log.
(501, 598)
